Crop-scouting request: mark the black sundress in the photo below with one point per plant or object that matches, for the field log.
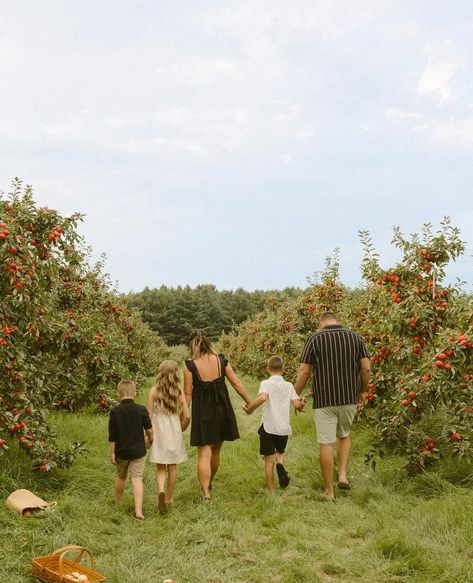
(213, 418)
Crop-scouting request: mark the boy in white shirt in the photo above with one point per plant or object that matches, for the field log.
(276, 394)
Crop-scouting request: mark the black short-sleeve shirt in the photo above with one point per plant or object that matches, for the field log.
(125, 427)
(335, 354)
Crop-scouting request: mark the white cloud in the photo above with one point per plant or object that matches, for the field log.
(435, 79)
(176, 117)
(305, 133)
(445, 121)
(301, 18)
(287, 116)
(394, 113)
(453, 133)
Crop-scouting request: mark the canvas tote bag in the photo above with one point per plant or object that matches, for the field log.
(26, 503)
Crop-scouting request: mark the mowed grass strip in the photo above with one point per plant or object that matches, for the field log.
(383, 530)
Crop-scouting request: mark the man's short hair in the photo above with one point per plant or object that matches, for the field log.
(126, 388)
(275, 363)
(328, 315)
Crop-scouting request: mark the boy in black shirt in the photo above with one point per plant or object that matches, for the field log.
(127, 426)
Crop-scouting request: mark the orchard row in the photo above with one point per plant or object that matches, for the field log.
(419, 333)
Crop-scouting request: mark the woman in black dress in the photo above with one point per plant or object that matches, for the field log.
(213, 418)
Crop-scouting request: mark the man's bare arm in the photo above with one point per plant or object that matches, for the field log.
(365, 372)
(302, 377)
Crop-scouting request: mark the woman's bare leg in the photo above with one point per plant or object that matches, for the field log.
(215, 460)
(204, 471)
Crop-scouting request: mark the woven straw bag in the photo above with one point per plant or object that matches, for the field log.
(25, 502)
(54, 567)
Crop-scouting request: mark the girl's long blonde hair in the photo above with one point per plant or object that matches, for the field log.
(167, 392)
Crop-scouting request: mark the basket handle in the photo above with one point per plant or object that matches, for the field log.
(66, 549)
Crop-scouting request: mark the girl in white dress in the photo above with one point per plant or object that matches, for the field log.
(169, 414)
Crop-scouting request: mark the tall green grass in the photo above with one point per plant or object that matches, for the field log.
(384, 530)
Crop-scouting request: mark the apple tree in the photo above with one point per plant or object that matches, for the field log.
(66, 337)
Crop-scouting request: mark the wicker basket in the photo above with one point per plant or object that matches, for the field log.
(54, 567)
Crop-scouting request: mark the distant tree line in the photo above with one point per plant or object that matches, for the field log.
(174, 312)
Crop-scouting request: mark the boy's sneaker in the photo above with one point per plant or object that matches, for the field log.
(282, 476)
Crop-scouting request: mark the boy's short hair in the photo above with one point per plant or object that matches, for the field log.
(275, 363)
(126, 388)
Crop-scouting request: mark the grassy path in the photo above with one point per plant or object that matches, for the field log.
(384, 530)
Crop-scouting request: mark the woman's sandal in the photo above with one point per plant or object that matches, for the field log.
(344, 486)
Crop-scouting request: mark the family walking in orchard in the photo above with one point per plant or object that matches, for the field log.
(334, 356)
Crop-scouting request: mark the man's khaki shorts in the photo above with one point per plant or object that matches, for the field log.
(333, 422)
(135, 467)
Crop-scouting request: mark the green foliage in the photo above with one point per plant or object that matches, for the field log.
(65, 336)
(419, 332)
(174, 312)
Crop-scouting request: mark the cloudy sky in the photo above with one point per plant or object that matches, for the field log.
(238, 142)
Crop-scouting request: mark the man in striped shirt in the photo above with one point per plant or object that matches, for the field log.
(340, 364)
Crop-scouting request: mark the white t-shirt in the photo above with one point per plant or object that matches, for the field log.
(276, 408)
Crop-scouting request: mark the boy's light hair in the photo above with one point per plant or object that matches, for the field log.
(126, 388)
(275, 364)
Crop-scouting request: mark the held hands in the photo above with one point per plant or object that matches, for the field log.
(303, 400)
(246, 409)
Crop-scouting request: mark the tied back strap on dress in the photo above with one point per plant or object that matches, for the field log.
(211, 391)
(197, 379)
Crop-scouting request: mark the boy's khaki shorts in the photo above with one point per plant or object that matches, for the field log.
(135, 467)
(333, 422)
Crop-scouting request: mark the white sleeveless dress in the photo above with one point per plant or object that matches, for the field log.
(168, 444)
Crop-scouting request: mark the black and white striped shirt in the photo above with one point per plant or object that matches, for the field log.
(335, 354)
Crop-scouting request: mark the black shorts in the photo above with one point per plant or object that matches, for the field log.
(269, 444)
